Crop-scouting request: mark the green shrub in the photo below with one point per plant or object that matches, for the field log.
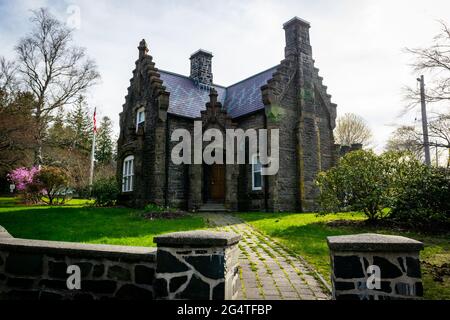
(105, 192)
(424, 202)
(358, 183)
(364, 181)
(53, 183)
(152, 207)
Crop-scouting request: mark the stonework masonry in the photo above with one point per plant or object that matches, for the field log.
(188, 265)
(197, 265)
(291, 98)
(37, 270)
(396, 257)
(201, 67)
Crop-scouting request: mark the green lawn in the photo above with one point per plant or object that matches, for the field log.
(306, 235)
(77, 222)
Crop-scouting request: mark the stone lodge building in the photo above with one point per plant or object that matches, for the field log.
(289, 96)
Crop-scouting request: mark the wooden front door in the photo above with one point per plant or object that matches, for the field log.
(217, 182)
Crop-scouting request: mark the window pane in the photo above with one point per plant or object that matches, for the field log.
(124, 184)
(131, 167)
(257, 180)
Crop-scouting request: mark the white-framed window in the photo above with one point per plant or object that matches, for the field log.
(257, 180)
(140, 116)
(128, 174)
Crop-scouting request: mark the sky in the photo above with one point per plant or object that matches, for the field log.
(358, 45)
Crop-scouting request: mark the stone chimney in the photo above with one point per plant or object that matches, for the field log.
(297, 38)
(201, 67)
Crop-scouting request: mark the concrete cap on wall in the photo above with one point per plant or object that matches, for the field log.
(373, 242)
(296, 20)
(4, 233)
(198, 238)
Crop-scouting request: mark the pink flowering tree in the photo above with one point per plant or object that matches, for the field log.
(25, 181)
(48, 184)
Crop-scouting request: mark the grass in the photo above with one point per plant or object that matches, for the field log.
(305, 234)
(77, 222)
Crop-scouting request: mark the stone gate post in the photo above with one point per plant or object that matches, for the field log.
(197, 265)
(375, 267)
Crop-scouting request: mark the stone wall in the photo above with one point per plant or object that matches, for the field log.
(249, 199)
(37, 270)
(297, 103)
(178, 187)
(354, 257)
(187, 265)
(197, 265)
(146, 143)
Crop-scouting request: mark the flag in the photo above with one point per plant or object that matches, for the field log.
(95, 120)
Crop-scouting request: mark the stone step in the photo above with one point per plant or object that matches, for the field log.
(213, 207)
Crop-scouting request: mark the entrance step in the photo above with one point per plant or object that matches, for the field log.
(213, 207)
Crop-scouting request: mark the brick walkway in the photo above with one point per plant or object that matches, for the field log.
(267, 270)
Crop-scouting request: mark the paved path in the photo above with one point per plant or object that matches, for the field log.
(267, 270)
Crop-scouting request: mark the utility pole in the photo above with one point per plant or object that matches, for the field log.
(437, 155)
(426, 143)
(94, 132)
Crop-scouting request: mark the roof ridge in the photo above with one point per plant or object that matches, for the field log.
(256, 74)
(186, 77)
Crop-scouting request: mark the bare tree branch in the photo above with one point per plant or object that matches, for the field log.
(435, 61)
(52, 69)
(351, 129)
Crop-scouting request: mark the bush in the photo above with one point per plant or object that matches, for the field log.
(53, 183)
(24, 180)
(358, 183)
(364, 181)
(151, 207)
(424, 201)
(105, 192)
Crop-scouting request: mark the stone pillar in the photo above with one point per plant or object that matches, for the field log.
(197, 265)
(195, 197)
(358, 260)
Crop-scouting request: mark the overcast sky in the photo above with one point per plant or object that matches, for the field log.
(357, 44)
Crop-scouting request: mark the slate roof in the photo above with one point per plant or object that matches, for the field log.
(187, 99)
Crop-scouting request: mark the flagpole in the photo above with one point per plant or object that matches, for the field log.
(91, 173)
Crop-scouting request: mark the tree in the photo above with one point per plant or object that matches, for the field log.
(8, 81)
(434, 60)
(16, 125)
(52, 69)
(53, 182)
(364, 181)
(406, 139)
(352, 129)
(439, 130)
(105, 147)
(80, 124)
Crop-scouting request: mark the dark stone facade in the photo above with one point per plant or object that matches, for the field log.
(37, 270)
(293, 100)
(190, 265)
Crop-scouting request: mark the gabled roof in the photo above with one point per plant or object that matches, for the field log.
(245, 96)
(188, 99)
